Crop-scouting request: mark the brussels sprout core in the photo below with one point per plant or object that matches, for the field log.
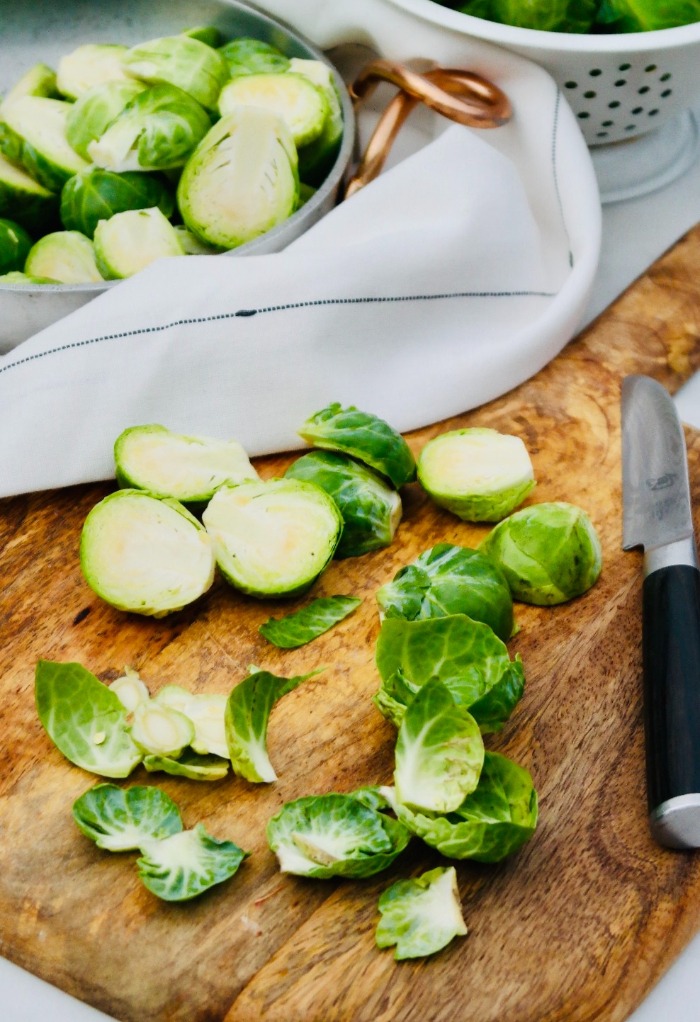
(479, 474)
(159, 729)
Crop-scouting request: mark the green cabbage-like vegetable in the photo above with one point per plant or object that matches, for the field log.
(331, 835)
(273, 538)
(88, 65)
(292, 97)
(145, 555)
(544, 15)
(480, 475)
(65, 256)
(121, 819)
(24, 200)
(450, 579)
(317, 157)
(422, 915)
(247, 56)
(182, 61)
(34, 135)
(465, 655)
(84, 719)
(98, 194)
(242, 179)
(549, 553)
(496, 819)
(206, 710)
(363, 436)
(130, 689)
(370, 508)
(169, 464)
(184, 865)
(439, 751)
(15, 244)
(15, 277)
(132, 240)
(39, 80)
(160, 730)
(189, 764)
(307, 623)
(90, 116)
(647, 15)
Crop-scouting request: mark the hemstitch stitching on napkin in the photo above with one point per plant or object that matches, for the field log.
(195, 320)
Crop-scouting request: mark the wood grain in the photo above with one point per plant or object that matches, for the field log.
(576, 927)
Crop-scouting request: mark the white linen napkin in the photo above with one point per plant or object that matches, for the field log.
(449, 280)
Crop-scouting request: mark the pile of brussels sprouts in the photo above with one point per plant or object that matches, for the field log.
(582, 15)
(181, 145)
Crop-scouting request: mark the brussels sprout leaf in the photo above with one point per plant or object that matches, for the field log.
(309, 622)
(421, 916)
(185, 865)
(189, 764)
(121, 819)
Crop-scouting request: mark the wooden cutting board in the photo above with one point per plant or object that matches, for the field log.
(578, 926)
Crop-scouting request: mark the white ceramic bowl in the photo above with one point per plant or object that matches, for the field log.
(44, 30)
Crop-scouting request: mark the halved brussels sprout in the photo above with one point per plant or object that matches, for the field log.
(35, 136)
(549, 553)
(160, 730)
(479, 474)
(157, 130)
(94, 111)
(324, 836)
(241, 180)
(130, 689)
(16, 277)
(183, 61)
(246, 56)
(121, 819)
(98, 194)
(65, 256)
(317, 157)
(132, 240)
(184, 865)
(465, 655)
(422, 915)
(208, 34)
(206, 710)
(450, 579)
(273, 538)
(25, 200)
(192, 245)
(294, 99)
(15, 245)
(363, 436)
(371, 509)
(39, 80)
(89, 65)
(169, 464)
(145, 555)
(307, 623)
(496, 819)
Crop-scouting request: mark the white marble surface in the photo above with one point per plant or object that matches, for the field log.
(635, 233)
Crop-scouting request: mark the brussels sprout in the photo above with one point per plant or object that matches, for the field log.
(465, 655)
(496, 819)
(130, 241)
(98, 194)
(192, 245)
(184, 865)
(324, 836)
(241, 180)
(84, 719)
(189, 764)
(247, 714)
(130, 689)
(34, 134)
(183, 61)
(545, 15)
(549, 553)
(446, 580)
(168, 464)
(145, 555)
(65, 256)
(294, 99)
(422, 915)
(273, 538)
(157, 130)
(25, 200)
(121, 819)
(479, 474)
(159, 730)
(39, 80)
(246, 56)
(439, 751)
(371, 510)
(206, 711)
(647, 15)
(92, 114)
(208, 34)
(317, 157)
(89, 65)
(15, 244)
(309, 622)
(16, 277)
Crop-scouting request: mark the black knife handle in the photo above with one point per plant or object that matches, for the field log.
(671, 657)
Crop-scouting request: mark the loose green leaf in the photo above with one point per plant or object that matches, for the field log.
(121, 819)
(309, 622)
(84, 719)
(185, 865)
(421, 916)
(189, 764)
(465, 655)
(363, 436)
(247, 715)
(335, 835)
(439, 751)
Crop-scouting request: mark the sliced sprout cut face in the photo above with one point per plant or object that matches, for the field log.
(65, 256)
(88, 65)
(296, 100)
(422, 915)
(160, 730)
(40, 126)
(273, 538)
(145, 555)
(207, 713)
(185, 865)
(122, 819)
(170, 464)
(131, 240)
(130, 689)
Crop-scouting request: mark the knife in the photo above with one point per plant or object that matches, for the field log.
(657, 515)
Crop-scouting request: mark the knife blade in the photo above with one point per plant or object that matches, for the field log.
(657, 515)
